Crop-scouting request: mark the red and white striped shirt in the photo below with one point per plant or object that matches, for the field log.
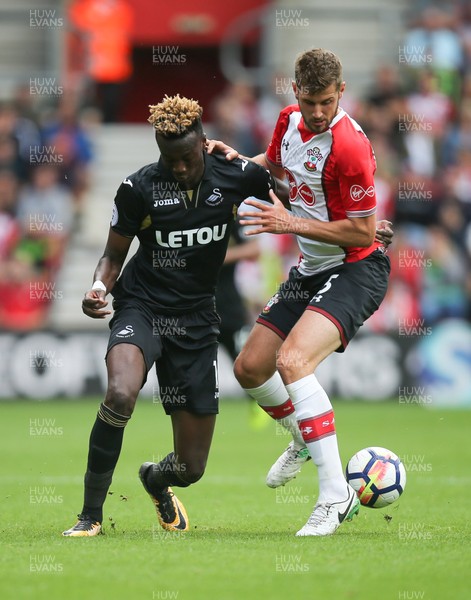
(331, 177)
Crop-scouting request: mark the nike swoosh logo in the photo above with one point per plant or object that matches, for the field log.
(181, 520)
(343, 515)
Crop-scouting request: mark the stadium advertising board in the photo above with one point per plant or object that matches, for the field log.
(426, 370)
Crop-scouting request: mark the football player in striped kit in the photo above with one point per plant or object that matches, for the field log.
(339, 282)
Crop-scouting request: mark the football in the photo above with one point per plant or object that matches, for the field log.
(377, 475)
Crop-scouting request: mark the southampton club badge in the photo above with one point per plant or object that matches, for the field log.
(273, 300)
(314, 156)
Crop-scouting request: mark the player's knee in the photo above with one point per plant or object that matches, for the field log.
(248, 373)
(120, 401)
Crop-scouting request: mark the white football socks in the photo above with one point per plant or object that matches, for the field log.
(274, 399)
(316, 421)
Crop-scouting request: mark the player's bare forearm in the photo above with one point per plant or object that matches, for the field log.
(107, 271)
(110, 264)
(260, 159)
(358, 232)
(276, 219)
(94, 303)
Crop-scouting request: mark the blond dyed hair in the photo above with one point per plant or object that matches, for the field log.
(175, 116)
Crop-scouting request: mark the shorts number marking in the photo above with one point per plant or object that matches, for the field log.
(328, 284)
(216, 378)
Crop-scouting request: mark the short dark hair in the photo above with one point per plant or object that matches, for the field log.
(317, 69)
(176, 116)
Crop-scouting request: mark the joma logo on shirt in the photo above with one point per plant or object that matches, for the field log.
(166, 202)
(190, 237)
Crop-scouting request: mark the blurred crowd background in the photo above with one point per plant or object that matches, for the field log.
(416, 110)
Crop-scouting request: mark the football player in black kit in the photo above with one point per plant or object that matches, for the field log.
(181, 208)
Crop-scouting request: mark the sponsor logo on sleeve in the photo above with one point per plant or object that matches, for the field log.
(114, 215)
(357, 192)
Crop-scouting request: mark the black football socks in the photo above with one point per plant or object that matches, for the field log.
(105, 444)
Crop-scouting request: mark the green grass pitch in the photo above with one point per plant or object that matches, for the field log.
(242, 543)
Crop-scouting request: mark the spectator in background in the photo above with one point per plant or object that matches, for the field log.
(443, 292)
(429, 112)
(417, 198)
(432, 41)
(10, 159)
(402, 301)
(458, 135)
(430, 104)
(23, 265)
(9, 228)
(379, 112)
(431, 255)
(269, 104)
(26, 103)
(105, 28)
(234, 115)
(45, 212)
(22, 129)
(24, 280)
(464, 31)
(66, 142)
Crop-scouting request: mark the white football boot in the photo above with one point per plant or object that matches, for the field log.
(287, 466)
(327, 517)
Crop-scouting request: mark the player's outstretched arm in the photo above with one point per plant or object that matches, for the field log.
(106, 273)
(276, 219)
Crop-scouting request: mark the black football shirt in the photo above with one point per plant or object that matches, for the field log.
(183, 235)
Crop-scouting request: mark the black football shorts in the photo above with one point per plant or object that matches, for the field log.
(347, 295)
(183, 348)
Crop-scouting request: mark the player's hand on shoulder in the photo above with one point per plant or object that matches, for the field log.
(384, 232)
(93, 304)
(218, 147)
